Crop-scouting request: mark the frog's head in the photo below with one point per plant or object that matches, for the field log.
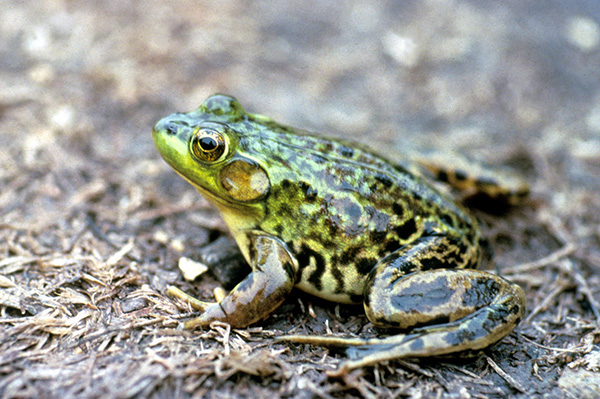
(204, 147)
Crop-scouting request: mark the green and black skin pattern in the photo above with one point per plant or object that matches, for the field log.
(340, 222)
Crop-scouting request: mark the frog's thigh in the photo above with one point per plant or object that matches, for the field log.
(444, 296)
(393, 299)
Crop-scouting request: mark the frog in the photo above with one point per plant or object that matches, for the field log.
(334, 219)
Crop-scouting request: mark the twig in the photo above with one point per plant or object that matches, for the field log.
(571, 268)
(115, 330)
(511, 381)
(546, 260)
(549, 348)
(561, 286)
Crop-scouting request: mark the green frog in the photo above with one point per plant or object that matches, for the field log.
(340, 222)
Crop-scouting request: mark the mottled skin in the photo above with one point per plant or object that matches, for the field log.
(339, 222)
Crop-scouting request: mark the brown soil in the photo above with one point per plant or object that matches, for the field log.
(93, 222)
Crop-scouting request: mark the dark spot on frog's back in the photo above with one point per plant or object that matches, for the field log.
(310, 193)
(339, 279)
(279, 229)
(398, 209)
(447, 219)
(405, 230)
(365, 265)
(448, 262)
(377, 236)
(285, 184)
(346, 151)
(353, 210)
(482, 290)
(442, 176)
(460, 175)
(390, 247)
(348, 255)
(384, 179)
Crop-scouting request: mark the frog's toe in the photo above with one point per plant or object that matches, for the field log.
(193, 302)
(212, 313)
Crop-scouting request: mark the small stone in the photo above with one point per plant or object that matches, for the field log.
(5, 282)
(402, 49)
(579, 383)
(191, 269)
(161, 236)
(133, 304)
(177, 245)
(42, 73)
(62, 117)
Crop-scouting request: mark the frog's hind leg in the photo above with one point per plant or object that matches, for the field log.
(475, 181)
(458, 310)
(446, 311)
(447, 308)
(493, 306)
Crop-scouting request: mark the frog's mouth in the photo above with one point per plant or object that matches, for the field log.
(206, 193)
(219, 201)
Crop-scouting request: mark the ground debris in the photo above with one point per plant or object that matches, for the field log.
(93, 223)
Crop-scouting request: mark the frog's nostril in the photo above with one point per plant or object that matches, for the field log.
(161, 126)
(172, 125)
(171, 128)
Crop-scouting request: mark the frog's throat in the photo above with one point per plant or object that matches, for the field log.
(239, 217)
(221, 203)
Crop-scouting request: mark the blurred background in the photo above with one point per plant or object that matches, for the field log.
(82, 83)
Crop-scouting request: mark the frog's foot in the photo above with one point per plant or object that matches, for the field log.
(338, 344)
(361, 351)
(261, 292)
(210, 310)
(475, 180)
(328, 342)
(193, 302)
(219, 294)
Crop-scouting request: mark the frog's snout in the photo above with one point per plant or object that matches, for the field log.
(165, 126)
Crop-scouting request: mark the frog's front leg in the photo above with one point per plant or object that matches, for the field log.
(443, 311)
(260, 293)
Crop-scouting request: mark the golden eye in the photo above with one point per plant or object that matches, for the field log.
(208, 145)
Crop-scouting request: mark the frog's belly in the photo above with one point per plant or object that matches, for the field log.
(344, 288)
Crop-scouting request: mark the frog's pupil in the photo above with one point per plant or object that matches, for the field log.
(208, 144)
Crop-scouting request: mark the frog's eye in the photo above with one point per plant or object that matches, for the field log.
(208, 145)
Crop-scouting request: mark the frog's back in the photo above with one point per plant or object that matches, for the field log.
(341, 209)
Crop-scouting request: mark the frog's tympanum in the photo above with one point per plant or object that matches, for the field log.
(342, 223)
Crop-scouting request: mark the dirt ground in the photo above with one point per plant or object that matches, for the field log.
(93, 223)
